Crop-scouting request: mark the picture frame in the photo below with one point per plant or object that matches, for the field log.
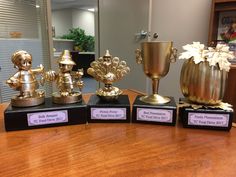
(226, 31)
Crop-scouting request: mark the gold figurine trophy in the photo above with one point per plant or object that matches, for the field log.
(30, 110)
(156, 58)
(24, 81)
(108, 105)
(67, 80)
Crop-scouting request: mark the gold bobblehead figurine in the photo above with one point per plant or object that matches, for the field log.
(108, 70)
(66, 81)
(25, 81)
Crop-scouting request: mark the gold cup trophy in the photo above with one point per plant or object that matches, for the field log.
(156, 58)
(108, 105)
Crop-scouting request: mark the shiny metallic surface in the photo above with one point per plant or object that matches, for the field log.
(66, 81)
(109, 93)
(24, 81)
(201, 83)
(108, 70)
(156, 58)
(58, 99)
(30, 101)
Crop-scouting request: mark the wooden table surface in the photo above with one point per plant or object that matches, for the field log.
(117, 150)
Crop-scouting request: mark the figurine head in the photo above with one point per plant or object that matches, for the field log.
(22, 60)
(65, 67)
(65, 61)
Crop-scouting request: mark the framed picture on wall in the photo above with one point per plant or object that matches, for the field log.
(222, 26)
(226, 32)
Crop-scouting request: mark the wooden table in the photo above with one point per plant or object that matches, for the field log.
(117, 150)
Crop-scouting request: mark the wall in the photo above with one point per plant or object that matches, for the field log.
(181, 21)
(65, 19)
(62, 20)
(83, 19)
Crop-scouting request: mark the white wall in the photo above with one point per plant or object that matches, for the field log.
(181, 21)
(62, 20)
(65, 19)
(83, 19)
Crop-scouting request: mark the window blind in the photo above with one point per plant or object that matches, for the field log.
(28, 19)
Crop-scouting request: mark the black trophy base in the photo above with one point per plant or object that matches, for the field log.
(100, 111)
(164, 114)
(45, 115)
(206, 118)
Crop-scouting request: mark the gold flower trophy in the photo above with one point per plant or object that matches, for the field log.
(108, 70)
(203, 81)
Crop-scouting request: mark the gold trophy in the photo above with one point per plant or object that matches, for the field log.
(25, 81)
(46, 113)
(108, 104)
(156, 58)
(66, 81)
(108, 70)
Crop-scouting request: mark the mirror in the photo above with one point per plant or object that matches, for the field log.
(74, 27)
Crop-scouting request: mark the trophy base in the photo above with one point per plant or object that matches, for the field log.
(205, 118)
(45, 115)
(155, 99)
(100, 111)
(73, 98)
(18, 101)
(164, 114)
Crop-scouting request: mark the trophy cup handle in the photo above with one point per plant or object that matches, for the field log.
(138, 56)
(174, 55)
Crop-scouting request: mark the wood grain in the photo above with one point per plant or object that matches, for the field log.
(117, 150)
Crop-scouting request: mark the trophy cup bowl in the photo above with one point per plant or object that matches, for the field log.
(156, 57)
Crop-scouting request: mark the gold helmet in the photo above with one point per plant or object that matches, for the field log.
(65, 58)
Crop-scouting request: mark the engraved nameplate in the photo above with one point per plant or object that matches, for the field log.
(155, 115)
(51, 117)
(208, 119)
(108, 113)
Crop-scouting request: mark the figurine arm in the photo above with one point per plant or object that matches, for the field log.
(49, 76)
(14, 81)
(39, 70)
